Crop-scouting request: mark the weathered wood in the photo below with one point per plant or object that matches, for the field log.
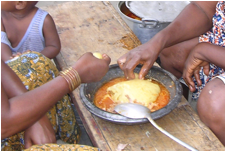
(97, 27)
(187, 127)
(91, 27)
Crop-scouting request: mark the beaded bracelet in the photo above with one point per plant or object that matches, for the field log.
(72, 77)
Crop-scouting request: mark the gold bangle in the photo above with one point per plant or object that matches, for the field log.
(72, 77)
(76, 79)
(68, 81)
(77, 76)
(64, 74)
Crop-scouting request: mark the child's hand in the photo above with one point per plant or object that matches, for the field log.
(15, 55)
(18, 54)
(27, 51)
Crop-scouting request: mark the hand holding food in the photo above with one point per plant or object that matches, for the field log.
(90, 68)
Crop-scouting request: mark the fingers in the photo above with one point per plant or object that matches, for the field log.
(121, 61)
(206, 69)
(27, 51)
(144, 70)
(28, 143)
(19, 53)
(106, 58)
(16, 54)
(187, 76)
(102, 56)
(129, 69)
(188, 80)
(128, 64)
(192, 88)
(190, 83)
(197, 76)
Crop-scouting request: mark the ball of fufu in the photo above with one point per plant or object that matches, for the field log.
(97, 55)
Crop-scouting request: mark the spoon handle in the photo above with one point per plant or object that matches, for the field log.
(171, 136)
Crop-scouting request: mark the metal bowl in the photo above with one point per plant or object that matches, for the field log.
(87, 93)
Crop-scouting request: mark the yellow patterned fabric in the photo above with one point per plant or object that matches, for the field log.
(34, 69)
(61, 147)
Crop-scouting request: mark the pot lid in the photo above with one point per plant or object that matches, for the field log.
(164, 11)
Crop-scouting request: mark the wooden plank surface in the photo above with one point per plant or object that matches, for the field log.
(90, 27)
(97, 27)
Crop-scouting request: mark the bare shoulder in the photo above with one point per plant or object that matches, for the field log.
(48, 20)
(49, 24)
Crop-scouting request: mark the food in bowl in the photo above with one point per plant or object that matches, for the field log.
(148, 92)
(131, 15)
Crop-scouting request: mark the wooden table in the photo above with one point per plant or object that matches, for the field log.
(97, 27)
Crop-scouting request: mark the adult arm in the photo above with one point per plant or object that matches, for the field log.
(203, 54)
(12, 87)
(41, 131)
(20, 112)
(195, 19)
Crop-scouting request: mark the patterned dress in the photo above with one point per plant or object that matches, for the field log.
(215, 36)
(34, 69)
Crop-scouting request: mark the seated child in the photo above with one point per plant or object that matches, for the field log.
(26, 27)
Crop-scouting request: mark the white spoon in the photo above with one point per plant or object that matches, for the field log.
(133, 110)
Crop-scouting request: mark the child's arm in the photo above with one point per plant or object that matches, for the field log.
(52, 40)
(6, 52)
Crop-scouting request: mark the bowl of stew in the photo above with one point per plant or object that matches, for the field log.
(167, 82)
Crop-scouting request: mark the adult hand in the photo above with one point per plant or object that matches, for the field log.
(90, 68)
(192, 67)
(145, 54)
(39, 133)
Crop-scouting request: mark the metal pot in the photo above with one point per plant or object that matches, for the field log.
(145, 29)
(87, 93)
